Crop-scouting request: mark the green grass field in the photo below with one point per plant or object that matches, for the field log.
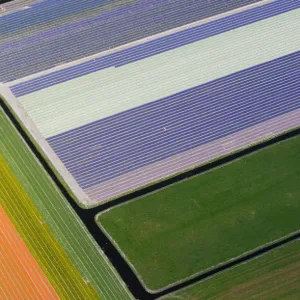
(69, 231)
(276, 275)
(199, 223)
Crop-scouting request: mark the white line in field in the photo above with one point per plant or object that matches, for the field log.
(138, 42)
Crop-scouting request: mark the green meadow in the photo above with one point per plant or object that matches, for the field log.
(209, 219)
(276, 275)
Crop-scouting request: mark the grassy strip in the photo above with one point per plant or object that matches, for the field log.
(196, 224)
(59, 216)
(275, 275)
(41, 242)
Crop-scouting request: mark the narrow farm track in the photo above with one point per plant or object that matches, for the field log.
(61, 219)
(40, 240)
(20, 275)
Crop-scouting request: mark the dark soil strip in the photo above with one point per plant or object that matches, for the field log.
(88, 215)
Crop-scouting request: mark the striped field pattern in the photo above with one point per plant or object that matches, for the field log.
(62, 31)
(41, 242)
(178, 123)
(20, 276)
(123, 120)
(39, 210)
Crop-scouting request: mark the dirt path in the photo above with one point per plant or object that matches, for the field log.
(20, 275)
